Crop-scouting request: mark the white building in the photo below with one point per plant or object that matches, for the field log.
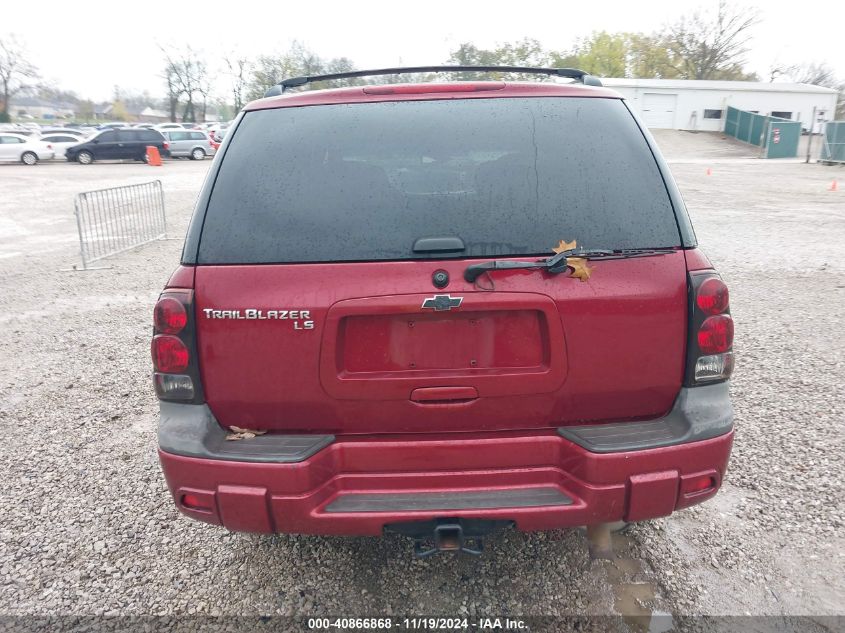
(701, 105)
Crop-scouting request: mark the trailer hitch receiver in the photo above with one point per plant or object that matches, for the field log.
(447, 535)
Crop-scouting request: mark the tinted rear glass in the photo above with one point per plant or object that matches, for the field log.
(365, 181)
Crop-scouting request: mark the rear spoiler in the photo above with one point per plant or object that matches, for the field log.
(569, 73)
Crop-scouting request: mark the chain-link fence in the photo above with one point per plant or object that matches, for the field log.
(114, 220)
(833, 147)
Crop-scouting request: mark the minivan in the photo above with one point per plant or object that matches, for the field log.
(192, 144)
(114, 144)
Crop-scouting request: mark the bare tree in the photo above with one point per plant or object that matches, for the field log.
(812, 73)
(203, 85)
(299, 60)
(174, 92)
(14, 70)
(239, 69)
(186, 76)
(703, 46)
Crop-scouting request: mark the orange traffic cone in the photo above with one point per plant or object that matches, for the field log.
(833, 186)
(153, 157)
(709, 171)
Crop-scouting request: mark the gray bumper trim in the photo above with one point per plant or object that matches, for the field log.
(466, 500)
(192, 431)
(699, 413)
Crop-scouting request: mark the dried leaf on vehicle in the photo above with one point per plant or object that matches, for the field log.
(243, 434)
(564, 246)
(580, 269)
(578, 265)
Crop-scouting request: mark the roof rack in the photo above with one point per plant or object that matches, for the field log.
(569, 73)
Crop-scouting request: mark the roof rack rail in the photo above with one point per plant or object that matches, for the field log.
(570, 73)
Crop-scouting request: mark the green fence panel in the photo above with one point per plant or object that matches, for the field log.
(833, 147)
(743, 131)
(732, 122)
(758, 129)
(782, 138)
(778, 137)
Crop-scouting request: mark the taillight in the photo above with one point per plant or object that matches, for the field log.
(712, 296)
(170, 354)
(166, 145)
(709, 355)
(716, 334)
(170, 316)
(173, 348)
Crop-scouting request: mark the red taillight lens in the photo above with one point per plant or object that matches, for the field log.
(166, 145)
(698, 484)
(169, 354)
(716, 334)
(170, 316)
(712, 296)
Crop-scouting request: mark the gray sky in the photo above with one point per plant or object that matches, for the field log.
(93, 46)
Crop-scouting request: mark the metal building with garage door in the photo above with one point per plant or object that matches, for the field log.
(682, 104)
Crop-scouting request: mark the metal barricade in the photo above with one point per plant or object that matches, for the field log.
(111, 221)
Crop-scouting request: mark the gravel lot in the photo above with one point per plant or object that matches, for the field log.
(88, 527)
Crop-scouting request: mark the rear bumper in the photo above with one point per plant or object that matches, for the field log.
(355, 485)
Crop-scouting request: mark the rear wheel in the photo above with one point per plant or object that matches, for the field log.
(29, 158)
(85, 158)
(197, 154)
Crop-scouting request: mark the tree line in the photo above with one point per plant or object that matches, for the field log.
(700, 45)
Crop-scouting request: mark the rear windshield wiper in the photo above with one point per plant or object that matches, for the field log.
(554, 264)
(557, 263)
(622, 253)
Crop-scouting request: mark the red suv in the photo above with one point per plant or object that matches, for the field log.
(441, 309)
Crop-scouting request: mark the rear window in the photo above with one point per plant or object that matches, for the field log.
(365, 181)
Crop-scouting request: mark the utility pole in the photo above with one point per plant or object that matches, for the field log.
(810, 140)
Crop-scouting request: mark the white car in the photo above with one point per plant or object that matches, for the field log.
(24, 149)
(161, 127)
(61, 141)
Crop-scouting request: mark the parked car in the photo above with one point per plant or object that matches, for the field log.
(192, 144)
(61, 141)
(113, 144)
(169, 126)
(441, 311)
(62, 130)
(20, 148)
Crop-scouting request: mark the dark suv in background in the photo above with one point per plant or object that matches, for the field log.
(117, 144)
(440, 309)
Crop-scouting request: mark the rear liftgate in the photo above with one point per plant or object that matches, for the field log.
(448, 534)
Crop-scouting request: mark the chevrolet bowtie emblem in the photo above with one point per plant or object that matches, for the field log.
(442, 302)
